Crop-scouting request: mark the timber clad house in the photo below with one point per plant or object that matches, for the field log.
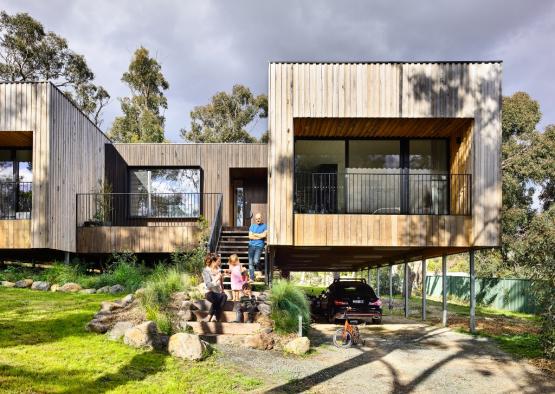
(368, 164)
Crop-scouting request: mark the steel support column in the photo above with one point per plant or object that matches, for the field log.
(390, 287)
(444, 290)
(424, 289)
(378, 281)
(406, 286)
(472, 293)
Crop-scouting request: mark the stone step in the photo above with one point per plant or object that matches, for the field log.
(224, 328)
(223, 339)
(226, 316)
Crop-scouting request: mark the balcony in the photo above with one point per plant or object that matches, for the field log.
(16, 200)
(354, 192)
(143, 222)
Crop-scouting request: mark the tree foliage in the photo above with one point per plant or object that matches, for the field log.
(29, 53)
(226, 117)
(142, 119)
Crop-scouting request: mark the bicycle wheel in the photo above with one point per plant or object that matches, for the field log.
(342, 341)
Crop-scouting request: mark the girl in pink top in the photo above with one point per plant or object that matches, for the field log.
(237, 276)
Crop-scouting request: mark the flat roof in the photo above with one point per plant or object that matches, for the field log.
(387, 62)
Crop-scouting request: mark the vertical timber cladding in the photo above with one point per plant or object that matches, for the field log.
(404, 90)
(216, 160)
(76, 166)
(24, 106)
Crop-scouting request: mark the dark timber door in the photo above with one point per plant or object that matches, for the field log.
(249, 197)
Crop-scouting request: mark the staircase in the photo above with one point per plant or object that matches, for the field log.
(235, 240)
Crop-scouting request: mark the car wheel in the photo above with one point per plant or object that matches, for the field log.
(377, 320)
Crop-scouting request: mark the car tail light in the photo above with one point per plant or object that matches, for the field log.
(378, 302)
(340, 303)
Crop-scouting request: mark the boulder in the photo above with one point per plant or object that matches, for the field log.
(55, 287)
(144, 335)
(260, 341)
(88, 291)
(105, 289)
(298, 346)
(23, 283)
(267, 330)
(264, 309)
(188, 347)
(186, 315)
(108, 306)
(6, 283)
(98, 326)
(70, 288)
(128, 299)
(115, 289)
(118, 331)
(186, 305)
(40, 285)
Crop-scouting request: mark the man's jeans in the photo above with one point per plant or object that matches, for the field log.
(254, 258)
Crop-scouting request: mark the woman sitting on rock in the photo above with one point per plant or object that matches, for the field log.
(213, 280)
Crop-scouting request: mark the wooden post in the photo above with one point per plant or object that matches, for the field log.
(391, 287)
(423, 289)
(472, 293)
(378, 282)
(406, 286)
(444, 290)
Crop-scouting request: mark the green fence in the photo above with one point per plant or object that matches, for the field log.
(509, 294)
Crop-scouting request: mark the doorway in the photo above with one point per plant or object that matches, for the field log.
(249, 195)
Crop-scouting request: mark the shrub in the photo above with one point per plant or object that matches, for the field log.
(64, 273)
(162, 283)
(162, 319)
(191, 262)
(288, 302)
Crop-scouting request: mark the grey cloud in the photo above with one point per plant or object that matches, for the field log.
(207, 46)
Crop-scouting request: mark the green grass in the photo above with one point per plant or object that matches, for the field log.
(46, 349)
(312, 290)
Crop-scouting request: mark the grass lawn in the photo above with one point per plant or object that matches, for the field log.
(45, 348)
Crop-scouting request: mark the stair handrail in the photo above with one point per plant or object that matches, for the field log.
(216, 227)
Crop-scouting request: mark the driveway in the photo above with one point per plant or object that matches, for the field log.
(398, 356)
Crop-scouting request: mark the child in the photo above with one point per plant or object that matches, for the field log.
(237, 280)
(247, 303)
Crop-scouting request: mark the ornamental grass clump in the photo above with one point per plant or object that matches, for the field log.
(288, 302)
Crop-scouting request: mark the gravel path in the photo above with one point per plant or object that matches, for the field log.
(396, 358)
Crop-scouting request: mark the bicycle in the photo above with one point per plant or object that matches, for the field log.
(348, 335)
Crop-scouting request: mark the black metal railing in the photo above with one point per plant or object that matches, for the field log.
(216, 226)
(144, 209)
(16, 200)
(383, 193)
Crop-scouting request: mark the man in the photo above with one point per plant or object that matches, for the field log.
(257, 235)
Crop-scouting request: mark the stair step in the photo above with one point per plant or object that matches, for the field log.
(224, 328)
(226, 317)
(223, 339)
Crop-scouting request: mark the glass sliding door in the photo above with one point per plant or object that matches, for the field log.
(428, 177)
(373, 177)
(16, 177)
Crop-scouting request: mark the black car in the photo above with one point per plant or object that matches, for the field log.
(355, 294)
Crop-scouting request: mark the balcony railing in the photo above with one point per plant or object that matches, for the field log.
(144, 209)
(15, 200)
(383, 194)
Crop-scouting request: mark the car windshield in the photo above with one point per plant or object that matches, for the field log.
(347, 289)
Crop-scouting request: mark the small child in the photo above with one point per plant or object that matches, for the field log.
(247, 303)
(237, 281)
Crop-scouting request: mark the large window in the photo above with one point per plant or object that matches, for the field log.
(375, 176)
(16, 178)
(165, 192)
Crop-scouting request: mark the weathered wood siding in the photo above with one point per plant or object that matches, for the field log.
(216, 160)
(25, 107)
(382, 90)
(68, 152)
(136, 239)
(76, 166)
(15, 234)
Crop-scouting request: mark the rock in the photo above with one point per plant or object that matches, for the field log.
(259, 341)
(128, 299)
(139, 292)
(108, 306)
(186, 315)
(298, 346)
(40, 285)
(186, 306)
(118, 331)
(88, 291)
(262, 297)
(105, 289)
(23, 283)
(70, 288)
(6, 283)
(55, 287)
(188, 347)
(267, 330)
(264, 309)
(144, 335)
(97, 326)
(117, 289)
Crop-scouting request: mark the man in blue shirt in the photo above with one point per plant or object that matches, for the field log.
(257, 235)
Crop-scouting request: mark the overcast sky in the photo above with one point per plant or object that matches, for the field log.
(207, 46)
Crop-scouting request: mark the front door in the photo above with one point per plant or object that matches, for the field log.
(249, 198)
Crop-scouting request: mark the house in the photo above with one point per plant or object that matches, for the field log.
(368, 164)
